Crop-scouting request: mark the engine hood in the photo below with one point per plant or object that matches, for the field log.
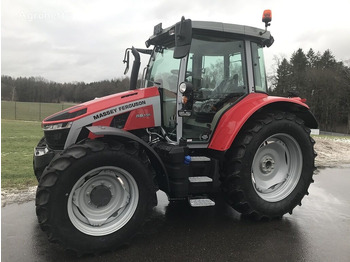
(104, 106)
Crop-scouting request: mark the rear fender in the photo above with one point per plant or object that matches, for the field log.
(232, 121)
(162, 176)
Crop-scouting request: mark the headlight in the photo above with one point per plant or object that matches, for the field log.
(183, 88)
(57, 126)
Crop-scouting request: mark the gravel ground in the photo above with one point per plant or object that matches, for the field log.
(331, 153)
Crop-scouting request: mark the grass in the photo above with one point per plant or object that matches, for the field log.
(30, 111)
(18, 139)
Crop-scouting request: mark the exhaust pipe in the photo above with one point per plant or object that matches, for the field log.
(135, 68)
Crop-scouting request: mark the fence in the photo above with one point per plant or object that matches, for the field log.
(30, 111)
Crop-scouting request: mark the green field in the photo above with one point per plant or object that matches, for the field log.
(18, 139)
(30, 111)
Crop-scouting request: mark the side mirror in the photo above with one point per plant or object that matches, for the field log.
(186, 89)
(126, 60)
(183, 38)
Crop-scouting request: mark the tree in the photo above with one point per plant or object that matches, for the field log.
(283, 78)
(38, 89)
(323, 81)
(298, 63)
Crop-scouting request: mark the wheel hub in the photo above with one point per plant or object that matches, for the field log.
(267, 165)
(100, 196)
(276, 167)
(103, 200)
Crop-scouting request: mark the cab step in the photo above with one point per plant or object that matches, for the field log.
(200, 202)
(200, 179)
(200, 159)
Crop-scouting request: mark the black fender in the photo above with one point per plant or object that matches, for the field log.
(157, 163)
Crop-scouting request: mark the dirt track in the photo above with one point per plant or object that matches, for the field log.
(330, 153)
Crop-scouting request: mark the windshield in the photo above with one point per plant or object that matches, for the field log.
(163, 70)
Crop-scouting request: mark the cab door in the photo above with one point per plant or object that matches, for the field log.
(216, 68)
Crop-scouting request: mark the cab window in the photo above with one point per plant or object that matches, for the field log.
(259, 68)
(216, 68)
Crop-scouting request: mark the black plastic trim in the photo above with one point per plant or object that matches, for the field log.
(65, 114)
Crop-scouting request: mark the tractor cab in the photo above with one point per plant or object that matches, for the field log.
(201, 70)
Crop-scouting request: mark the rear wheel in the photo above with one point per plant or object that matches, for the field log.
(95, 196)
(270, 166)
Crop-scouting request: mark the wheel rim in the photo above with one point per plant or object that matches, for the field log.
(276, 167)
(103, 200)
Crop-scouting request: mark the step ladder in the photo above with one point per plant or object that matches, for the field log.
(201, 181)
(200, 201)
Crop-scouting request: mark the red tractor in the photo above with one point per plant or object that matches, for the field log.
(201, 122)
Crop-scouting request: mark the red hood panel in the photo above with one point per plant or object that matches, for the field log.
(100, 104)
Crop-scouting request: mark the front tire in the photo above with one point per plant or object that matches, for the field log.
(95, 196)
(269, 167)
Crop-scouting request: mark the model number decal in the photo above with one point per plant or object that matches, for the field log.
(143, 115)
(113, 111)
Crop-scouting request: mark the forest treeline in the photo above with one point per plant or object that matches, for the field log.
(38, 89)
(320, 78)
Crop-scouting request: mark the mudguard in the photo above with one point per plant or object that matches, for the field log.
(235, 117)
(157, 163)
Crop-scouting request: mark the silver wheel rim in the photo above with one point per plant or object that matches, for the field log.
(103, 200)
(276, 167)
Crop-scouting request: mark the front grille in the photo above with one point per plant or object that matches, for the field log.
(56, 139)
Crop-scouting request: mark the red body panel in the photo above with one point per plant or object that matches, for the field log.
(100, 104)
(103, 122)
(140, 118)
(233, 120)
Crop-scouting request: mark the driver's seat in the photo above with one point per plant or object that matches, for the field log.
(231, 84)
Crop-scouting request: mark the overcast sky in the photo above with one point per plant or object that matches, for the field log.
(84, 40)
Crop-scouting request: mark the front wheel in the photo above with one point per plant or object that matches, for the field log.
(270, 166)
(95, 196)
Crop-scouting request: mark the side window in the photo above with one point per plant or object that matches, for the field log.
(212, 71)
(236, 68)
(259, 68)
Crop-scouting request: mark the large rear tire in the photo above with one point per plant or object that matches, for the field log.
(270, 166)
(95, 196)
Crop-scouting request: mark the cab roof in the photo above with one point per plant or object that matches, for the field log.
(166, 36)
